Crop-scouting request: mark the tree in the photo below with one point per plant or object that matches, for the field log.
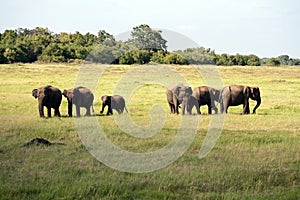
(274, 62)
(101, 54)
(198, 55)
(106, 38)
(8, 38)
(214, 57)
(223, 60)
(89, 39)
(253, 60)
(35, 40)
(143, 37)
(54, 52)
(283, 59)
(240, 60)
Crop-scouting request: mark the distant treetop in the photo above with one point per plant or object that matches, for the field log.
(145, 45)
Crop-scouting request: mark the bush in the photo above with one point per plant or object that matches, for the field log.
(141, 56)
(126, 59)
(101, 54)
(174, 58)
(158, 57)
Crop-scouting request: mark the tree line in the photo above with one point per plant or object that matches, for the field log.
(146, 45)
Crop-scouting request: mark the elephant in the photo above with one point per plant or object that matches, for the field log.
(50, 97)
(235, 95)
(188, 103)
(207, 96)
(116, 102)
(176, 94)
(80, 97)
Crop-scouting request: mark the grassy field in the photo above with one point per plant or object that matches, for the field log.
(256, 157)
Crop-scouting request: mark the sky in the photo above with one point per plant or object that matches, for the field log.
(266, 28)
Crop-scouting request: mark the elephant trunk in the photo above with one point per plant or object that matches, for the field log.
(257, 104)
(41, 108)
(70, 106)
(103, 106)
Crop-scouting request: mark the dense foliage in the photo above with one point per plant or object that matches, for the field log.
(145, 45)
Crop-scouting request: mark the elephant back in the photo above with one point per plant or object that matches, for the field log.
(82, 96)
(117, 101)
(53, 96)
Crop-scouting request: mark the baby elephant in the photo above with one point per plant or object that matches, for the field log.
(116, 102)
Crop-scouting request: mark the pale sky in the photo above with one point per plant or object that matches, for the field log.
(266, 28)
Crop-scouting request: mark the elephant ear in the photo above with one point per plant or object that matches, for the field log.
(109, 99)
(177, 91)
(255, 93)
(35, 93)
(104, 98)
(47, 90)
(65, 92)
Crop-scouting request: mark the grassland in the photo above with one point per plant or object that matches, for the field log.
(256, 157)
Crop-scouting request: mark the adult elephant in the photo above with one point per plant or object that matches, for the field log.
(235, 95)
(115, 102)
(50, 97)
(176, 94)
(80, 97)
(207, 96)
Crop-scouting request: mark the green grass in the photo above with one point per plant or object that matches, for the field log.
(256, 157)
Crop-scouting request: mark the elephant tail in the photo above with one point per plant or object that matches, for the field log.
(93, 109)
(126, 109)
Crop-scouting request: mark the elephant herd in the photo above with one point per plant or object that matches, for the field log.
(51, 97)
(233, 95)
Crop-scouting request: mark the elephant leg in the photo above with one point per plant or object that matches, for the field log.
(109, 110)
(121, 109)
(221, 107)
(189, 110)
(41, 110)
(49, 112)
(214, 107)
(77, 111)
(103, 106)
(70, 106)
(56, 112)
(198, 110)
(176, 105)
(88, 111)
(224, 106)
(209, 109)
(248, 108)
(172, 109)
(245, 108)
(183, 108)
